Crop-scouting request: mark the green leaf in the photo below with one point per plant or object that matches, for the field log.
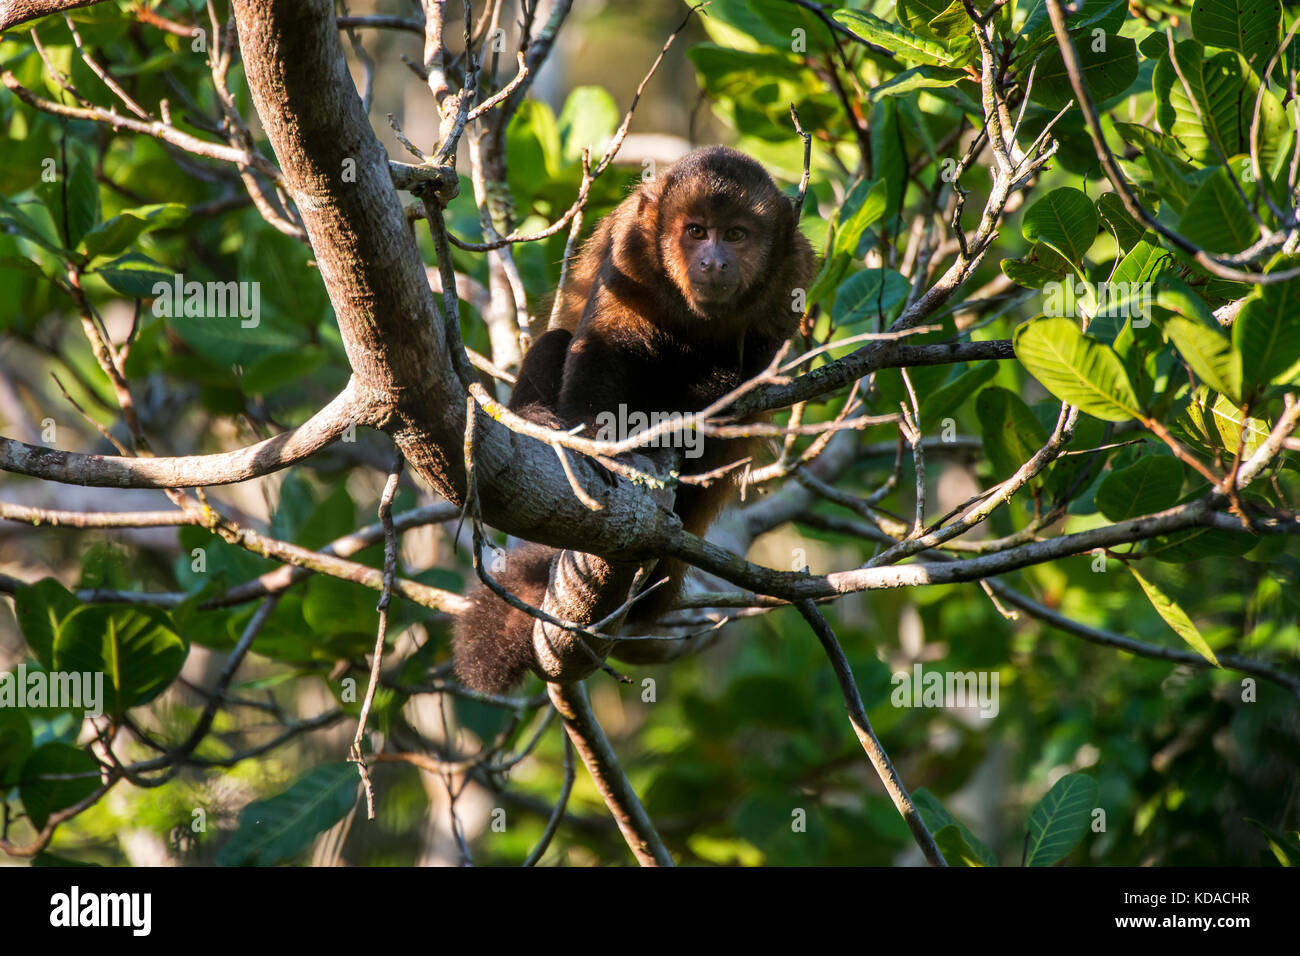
(1216, 218)
(1214, 114)
(917, 78)
(863, 206)
(1248, 26)
(868, 294)
(1152, 484)
(114, 236)
(1143, 263)
(958, 844)
(1267, 336)
(1080, 16)
(588, 119)
(1077, 369)
(1146, 138)
(14, 220)
(1212, 422)
(909, 47)
(1059, 821)
(1175, 617)
(1127, 230)
(39, 608)
(1285, 847)
(134, 647)
(1012, 435)
(946, 21)
(1037, 269)
(15, 744)
(280, 828)
(1108, 72)
(134, 275)
(44, 797)
(1064, 220)
(1209, 352)
(82, 194)
(283, 369)
(1173, 180)
(941, 403)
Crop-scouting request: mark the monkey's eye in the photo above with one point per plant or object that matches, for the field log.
(696, 231)
(735, 234)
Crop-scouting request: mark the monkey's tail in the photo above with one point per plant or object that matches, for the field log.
(492, 643)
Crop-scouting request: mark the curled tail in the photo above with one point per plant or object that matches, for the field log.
(492, 643)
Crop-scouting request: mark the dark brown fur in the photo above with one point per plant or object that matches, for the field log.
(633, 329)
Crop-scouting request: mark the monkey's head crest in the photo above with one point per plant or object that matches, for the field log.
(722, 222)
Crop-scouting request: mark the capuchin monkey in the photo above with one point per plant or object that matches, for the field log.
(686, 290)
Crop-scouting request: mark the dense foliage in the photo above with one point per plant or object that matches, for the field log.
(741, 754)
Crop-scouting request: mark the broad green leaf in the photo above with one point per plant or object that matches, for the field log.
(1177, 296)
(1151, 484)
(1248, 26)
(1175, 617)
(134, 275)
(910, 47)
(1064, 220)
(1212, 423)
(116, 235)
(917, 78)
(43, 797)
(1209, 352)
(1126, 229)
(1077, 369)
(834, 269)
(1144, 137)
(866, 295)
(1267, 336)
(15, 743)
(81, 191)
(863, 206)
(945, 401)
(278, 829)
(887, 132)
(1173, 180)
(1041, 266)
(1060, 819)
(959, 844)
(39, 608)
(1012, 435)
(1037, 26)
(134, 647)
(1142, 263)
(588, 119)
(1216, 218)
(1214, 114)
(1108, 70)
(1195, 544)
(947, 21)
(14, 219)
(29, 266)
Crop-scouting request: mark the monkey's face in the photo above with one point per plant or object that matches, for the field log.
(714, 258)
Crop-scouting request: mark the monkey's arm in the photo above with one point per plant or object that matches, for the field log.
(536, 395)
